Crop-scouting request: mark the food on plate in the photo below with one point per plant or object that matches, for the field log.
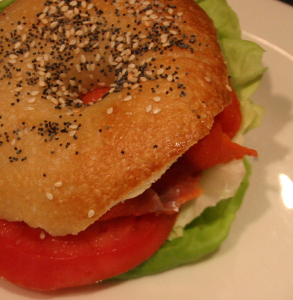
(112, 114)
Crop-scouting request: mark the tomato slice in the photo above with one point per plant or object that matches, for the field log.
(214, 149)
(230, 118)
(94, 95)
(103, 250)
(217, 147)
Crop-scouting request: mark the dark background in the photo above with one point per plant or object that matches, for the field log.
(287, 1)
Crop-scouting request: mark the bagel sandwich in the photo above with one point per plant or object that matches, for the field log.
(85, 185)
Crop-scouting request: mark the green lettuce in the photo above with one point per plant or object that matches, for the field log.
(243, 59)
(4, 4)
(206, 233)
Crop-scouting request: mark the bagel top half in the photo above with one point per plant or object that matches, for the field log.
(63, 164)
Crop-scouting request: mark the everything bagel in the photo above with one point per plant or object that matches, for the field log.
(63, 164)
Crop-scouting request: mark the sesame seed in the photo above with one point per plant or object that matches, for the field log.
(72, 133)
(229, 88)
(157, 99)
(31, 100)
(82, 59)
(148, 108)
(91, 213)
(72, 42)
(78, 68)
(49, 196)
(127, 98)
(120, 47)
(156, 110)
(132, 57)
(109, 110)
(18, 89)
(153, 16)
(135, 86)
(44, 21)
(207, 79)
(58, 184)
(17, 45)
(73, 3)
(42, 235)
(160, 71)
(64, 8)
(54, 24)
(79, 32)
(149, 12)
(97, 58)
(112, 44)
(118, 59)
(62, 47)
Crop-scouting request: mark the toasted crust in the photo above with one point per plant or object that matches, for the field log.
(63, 165)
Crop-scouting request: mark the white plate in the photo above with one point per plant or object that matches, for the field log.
(256, 260)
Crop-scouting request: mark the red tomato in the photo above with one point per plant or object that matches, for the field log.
(214, 149)
(103, 250)
(231, 117)
(217, 147)
(94, 95)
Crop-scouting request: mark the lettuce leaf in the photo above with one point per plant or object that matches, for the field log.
(245, 70)
(243, 60)
(4, 4)
(224, 18)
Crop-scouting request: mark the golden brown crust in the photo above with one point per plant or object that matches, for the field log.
(63, 165)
